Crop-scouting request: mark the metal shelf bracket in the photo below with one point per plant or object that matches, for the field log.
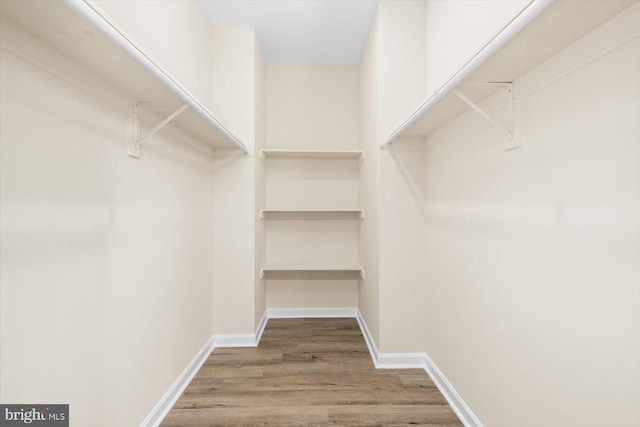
(135, 150)
(507, 128)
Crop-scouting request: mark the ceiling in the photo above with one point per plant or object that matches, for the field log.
(313, 32)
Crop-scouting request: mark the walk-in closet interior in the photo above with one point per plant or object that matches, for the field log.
(458, 178)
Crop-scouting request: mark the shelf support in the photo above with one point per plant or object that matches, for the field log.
(136, 149)
(164, 122)
(507, 130)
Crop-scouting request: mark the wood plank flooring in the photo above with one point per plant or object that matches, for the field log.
(307, 372)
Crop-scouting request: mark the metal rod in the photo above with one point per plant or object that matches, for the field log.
(94, 14)
(532, 10)
(164, 122)
(483, 113)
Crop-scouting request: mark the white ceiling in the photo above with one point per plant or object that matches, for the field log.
(300, 31)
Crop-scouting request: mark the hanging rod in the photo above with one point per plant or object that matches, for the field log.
(94, 14)
(533, 9)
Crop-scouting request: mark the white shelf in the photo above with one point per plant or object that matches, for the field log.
(81, 30)
(323, 154)
(356, 268)
(311, 213)
(540, 31)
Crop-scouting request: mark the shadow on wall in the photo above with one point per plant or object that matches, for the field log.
(407, 154)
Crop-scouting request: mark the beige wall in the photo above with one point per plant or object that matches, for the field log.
(402, 85)
(105, 261)
(236, 89)
(532, 282)
(369, 95)
(312, 107)
(175, 34)
(455, 30)
(260, 292)
(516, 272)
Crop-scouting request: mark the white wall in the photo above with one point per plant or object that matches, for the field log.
(260, 292)
(175, 34)
(235, 181)
(369, 95)
(530, 303)
(455, 30)
(312, 107)
(402, 85)
(105, 261)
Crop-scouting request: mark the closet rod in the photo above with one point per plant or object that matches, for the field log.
(95, 15)
(533, 9)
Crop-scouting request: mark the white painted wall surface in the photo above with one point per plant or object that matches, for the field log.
(402, 60)
(175, 34)
(530, 300)
(260, 292)
(457, 29)
(312, 107)
(402, 87)
(105, 261)
(234, 197)
(369, 96)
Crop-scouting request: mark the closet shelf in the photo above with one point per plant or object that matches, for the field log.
(324, 154)
(356, 268)
(311, 213)
(540, 30)
(84, 32)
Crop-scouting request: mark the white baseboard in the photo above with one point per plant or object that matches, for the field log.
(165, 404)
(422, 361)
(401, 361)
(458, 405)
(380, 361)
(296, 313)
(371, 344)
(261, 326)
(234, 340)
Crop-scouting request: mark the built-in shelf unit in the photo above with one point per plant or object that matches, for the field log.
(303, 218)
(542, 29)
(84, 32)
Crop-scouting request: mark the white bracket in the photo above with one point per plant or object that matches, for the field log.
(507, 128)
(135, 150)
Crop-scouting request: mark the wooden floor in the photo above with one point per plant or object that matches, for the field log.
(307, 372)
